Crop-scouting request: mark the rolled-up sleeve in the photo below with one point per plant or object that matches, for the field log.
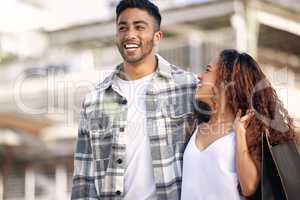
(83, 177)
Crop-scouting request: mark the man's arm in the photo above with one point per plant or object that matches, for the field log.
(83, 178)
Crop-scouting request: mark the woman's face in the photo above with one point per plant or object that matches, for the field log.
(207, 86)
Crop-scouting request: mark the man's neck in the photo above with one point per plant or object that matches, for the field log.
(138, 70)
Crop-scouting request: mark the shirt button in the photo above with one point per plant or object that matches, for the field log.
(123, 101)
(118, 192)
(122, 129)
(119, 161)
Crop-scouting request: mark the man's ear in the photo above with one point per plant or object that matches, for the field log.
(157, 37)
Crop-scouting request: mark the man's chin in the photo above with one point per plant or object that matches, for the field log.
(133, 59)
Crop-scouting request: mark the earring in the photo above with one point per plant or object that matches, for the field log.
(214, 102)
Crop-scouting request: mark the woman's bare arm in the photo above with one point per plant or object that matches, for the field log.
(247, 167)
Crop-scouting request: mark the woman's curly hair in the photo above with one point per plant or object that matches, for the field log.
(248, 88)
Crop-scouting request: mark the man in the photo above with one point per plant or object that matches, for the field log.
(134, 124)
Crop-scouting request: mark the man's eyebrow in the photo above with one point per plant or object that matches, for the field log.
(122, 23)
(140, 22)
(135, 22)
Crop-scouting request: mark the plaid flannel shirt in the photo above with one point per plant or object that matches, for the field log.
(99, 162)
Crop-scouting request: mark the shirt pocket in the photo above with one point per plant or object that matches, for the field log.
(176, 123)
(101, 135)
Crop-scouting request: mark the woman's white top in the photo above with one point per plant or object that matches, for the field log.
(210, 174)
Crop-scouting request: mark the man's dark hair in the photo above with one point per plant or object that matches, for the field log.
(146, 5)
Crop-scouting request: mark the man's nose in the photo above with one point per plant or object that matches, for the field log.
(131, 34)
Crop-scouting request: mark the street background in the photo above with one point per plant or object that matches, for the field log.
(52, 52)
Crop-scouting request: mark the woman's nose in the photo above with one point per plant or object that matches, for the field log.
(199, 77)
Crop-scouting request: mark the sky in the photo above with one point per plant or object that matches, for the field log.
(17, 15)
(25, 15)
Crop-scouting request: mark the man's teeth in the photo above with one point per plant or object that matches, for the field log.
(127, 46)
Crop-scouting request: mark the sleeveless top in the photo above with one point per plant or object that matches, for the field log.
(210, 174)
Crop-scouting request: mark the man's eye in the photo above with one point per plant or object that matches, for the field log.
(140, 28)
(122, 28)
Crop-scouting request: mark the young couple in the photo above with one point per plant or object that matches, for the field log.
(149, 131)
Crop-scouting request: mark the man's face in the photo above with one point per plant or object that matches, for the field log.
(136, 35)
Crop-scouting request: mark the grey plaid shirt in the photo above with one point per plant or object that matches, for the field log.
(99, 163)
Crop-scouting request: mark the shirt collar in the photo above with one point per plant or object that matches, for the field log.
(163, 69)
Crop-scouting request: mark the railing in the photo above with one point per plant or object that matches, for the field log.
(45, 184)
(291, 4)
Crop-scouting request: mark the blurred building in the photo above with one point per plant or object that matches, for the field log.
(45, 73)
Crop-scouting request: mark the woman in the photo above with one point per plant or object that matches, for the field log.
(223, 157)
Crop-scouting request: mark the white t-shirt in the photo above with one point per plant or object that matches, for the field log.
(139, 178)
(210, 174)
